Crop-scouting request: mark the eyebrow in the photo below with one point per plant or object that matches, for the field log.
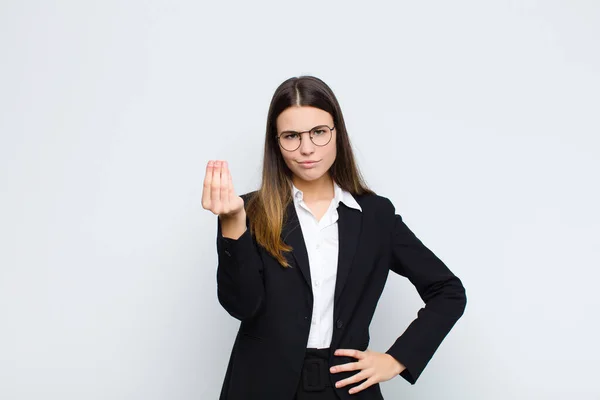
(318, 126)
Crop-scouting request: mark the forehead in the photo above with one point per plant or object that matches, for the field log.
(302, 118)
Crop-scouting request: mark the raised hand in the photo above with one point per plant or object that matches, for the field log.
(218, 194)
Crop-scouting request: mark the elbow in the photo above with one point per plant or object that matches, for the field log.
(240, 290)
(462, 303)
(448, 298)
(458, 298)
(241, 307)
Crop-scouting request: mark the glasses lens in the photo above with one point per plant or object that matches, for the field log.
(321, 135)
(289, 141)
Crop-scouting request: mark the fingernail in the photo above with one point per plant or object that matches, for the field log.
(211, 163)
(217, 163)
(332, 369)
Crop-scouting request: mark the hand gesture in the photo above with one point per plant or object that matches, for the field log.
(218, 194)
(373, 366)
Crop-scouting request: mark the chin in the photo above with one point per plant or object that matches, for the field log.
(309, 176)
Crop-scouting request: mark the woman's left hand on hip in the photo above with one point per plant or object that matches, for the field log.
(373, 366)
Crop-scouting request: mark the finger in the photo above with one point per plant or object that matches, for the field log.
(350, 353)
(215, 192)
(352, 366)
(207, 183)
(369, 382)
(359, 376)
(225, 185)
(231, 189)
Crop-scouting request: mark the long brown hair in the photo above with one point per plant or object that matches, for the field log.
(266, 208)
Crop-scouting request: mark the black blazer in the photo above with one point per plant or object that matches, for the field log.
(274, 304)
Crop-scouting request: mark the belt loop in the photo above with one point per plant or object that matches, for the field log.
(314, 375)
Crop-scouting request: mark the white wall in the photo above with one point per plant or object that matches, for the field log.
(479, 120)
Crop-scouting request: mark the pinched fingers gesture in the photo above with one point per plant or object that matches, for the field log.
(218, 194)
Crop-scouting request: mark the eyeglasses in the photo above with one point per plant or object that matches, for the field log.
(319, 135)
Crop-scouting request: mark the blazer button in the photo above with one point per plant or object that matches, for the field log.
(339, 324)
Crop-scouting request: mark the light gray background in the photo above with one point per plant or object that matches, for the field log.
(479, 120)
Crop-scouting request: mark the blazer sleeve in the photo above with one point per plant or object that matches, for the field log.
(240, 287)
(442, 291)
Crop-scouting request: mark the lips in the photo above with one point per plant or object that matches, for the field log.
(308, 164)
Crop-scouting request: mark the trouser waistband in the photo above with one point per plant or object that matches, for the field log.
(315, 370)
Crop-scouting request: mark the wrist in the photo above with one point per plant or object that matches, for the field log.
(233, 225)
(398, 366)
(240, 215)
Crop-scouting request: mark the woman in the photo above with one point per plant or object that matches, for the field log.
(303, 262)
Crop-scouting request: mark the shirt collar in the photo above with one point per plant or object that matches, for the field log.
(339, 195)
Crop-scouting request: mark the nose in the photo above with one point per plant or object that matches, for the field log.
(306, 145)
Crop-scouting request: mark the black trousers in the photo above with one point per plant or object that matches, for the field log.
(315, 380)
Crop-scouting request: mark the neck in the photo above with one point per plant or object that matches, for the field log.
(320, 189)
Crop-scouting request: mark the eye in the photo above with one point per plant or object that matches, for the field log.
(289, 136)
(319, 131)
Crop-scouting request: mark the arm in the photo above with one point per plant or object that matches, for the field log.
(240, 287)
(443, 294)
(239, 272)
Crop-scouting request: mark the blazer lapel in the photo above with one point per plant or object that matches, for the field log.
(349, 225)
(291, 234)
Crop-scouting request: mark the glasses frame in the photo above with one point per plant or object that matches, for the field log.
(310, 135)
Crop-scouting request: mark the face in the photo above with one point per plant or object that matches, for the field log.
(301, 119)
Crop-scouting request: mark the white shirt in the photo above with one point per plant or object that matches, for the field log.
(321, 239)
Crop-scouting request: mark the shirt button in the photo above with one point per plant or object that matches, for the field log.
(318, 246)
(339, 324)
(317, 283)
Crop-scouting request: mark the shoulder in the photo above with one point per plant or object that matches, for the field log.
(378, 209)
(248, 196)
(376, 203)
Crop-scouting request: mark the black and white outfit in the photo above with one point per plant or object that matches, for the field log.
(292, 319)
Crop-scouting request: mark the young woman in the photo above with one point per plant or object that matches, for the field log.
(304, 259)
